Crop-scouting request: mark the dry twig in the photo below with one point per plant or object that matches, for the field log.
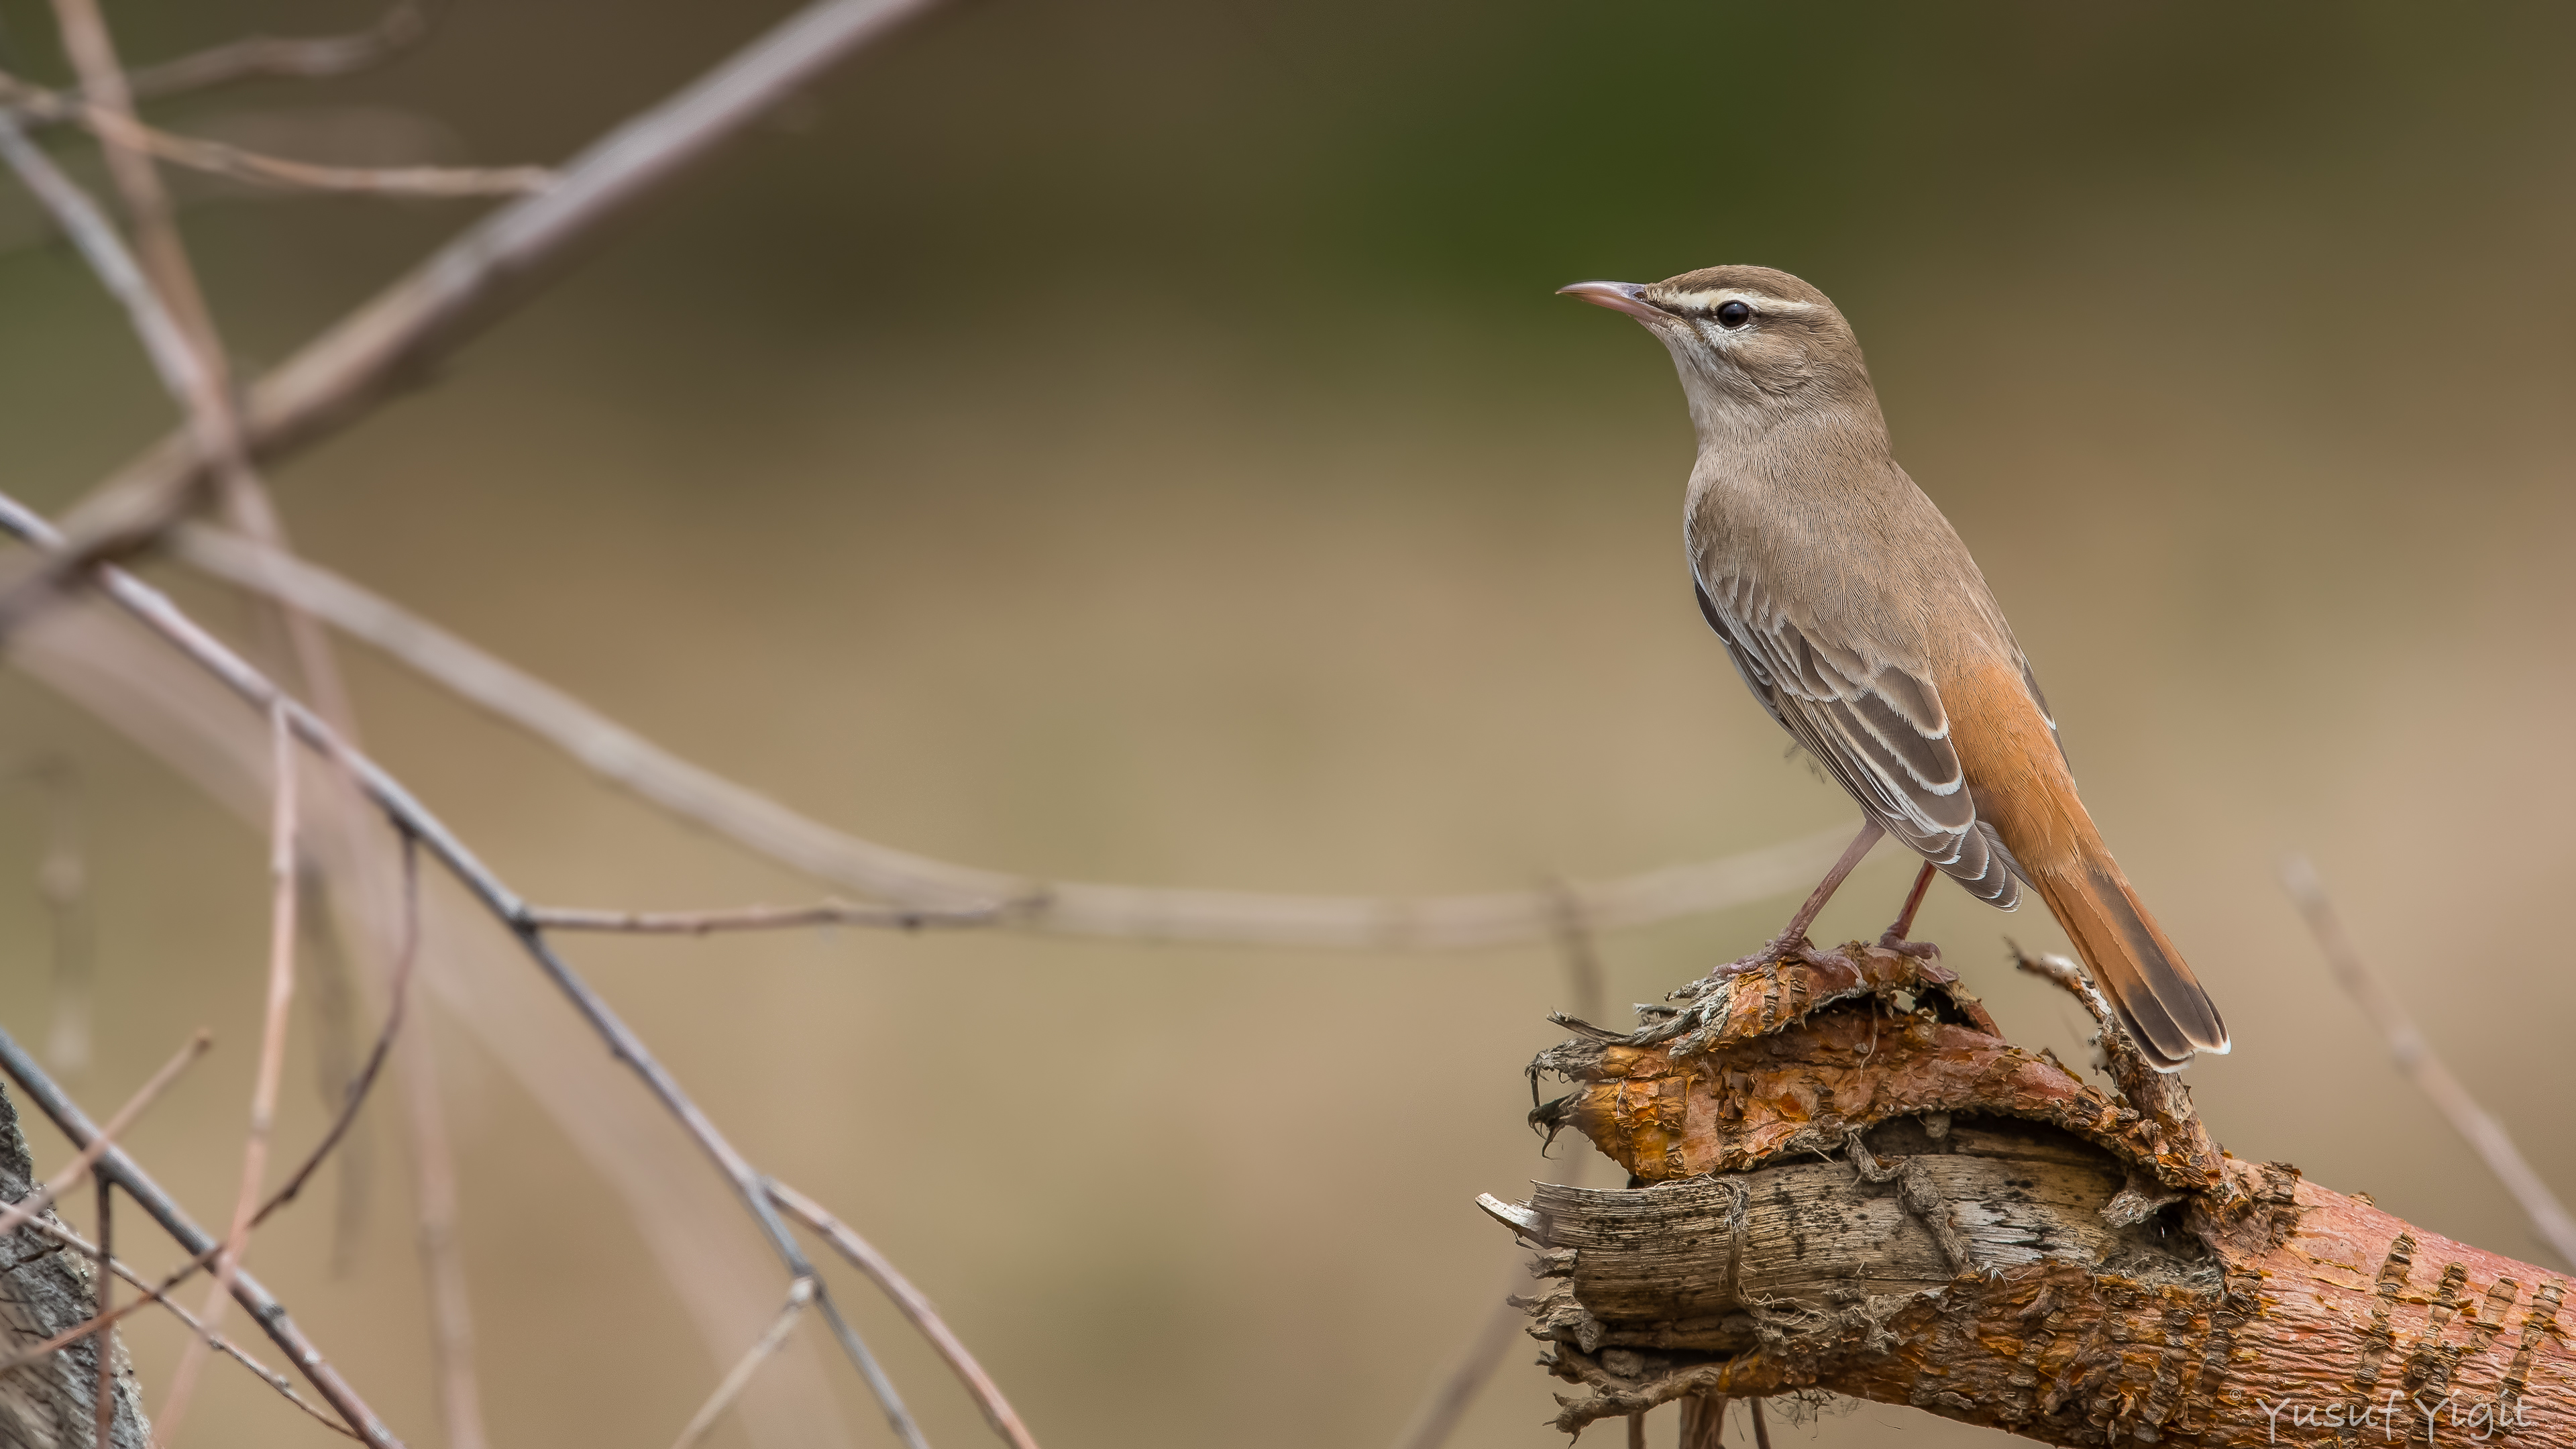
(156, 1295)
(193, 367)
(168, 316)
(92, 51)
(179, 341)
(914, 1306)
(119, 1168)
(282, 924)
(397, 993)
(477, 277)
(153, 609)
(625, 758)
(621, 170)
(2416, 1058)
(799, 1293)
(302, 57)
(17, 1213)
(165, 338)
(220, 159)
(153, 1293)
(451, 1317)
(119, 128)
(755, 918)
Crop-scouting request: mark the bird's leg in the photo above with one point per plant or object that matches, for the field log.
(1894, 937)
(1793, 939)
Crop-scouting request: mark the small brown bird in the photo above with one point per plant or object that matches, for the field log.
(1859, 621)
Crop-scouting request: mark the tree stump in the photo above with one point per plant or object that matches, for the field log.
(45, 1288)
(1844, 1179)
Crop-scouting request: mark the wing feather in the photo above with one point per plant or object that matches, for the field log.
(1878, 728)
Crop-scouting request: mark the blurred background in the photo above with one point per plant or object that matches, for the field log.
(1136, 441)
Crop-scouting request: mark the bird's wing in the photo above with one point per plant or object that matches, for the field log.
(1879, 729)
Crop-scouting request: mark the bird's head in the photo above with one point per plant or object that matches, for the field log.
(1752, 344)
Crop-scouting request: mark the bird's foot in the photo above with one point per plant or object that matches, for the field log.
(1919, 950)
(1777, 950)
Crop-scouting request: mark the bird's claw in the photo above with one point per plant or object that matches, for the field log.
(1919, 950)
(1779, 949)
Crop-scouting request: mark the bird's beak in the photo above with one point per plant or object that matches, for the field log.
(1625, 297)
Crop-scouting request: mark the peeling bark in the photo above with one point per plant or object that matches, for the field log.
(1844, 1179)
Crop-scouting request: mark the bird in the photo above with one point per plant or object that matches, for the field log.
(1857, 618)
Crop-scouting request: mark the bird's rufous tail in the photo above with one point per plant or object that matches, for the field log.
(2162, 1004)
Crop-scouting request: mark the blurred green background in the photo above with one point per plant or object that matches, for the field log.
(1137, 441)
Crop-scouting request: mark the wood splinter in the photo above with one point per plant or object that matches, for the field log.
(2072, 1264)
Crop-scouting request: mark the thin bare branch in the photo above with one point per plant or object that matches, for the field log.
(356, 1096)
(2416, 1058)
(199, 380)
(156, 1295)
(221, 159)
(1077, 908)
(183, 351)
(116, 1166)
(193, 370)
(339, 1053)
(914, 1306)
(2067, 976)
(442, 1255)
(160, 296)
(483, 273)
(17, 1213)
(218, 158)
(250, 58)
(22, 1215)
(92, 50)
(283, 919)
(153, 609)
(299, 57)
(169, 314)
(165, 339)
(799, 1293)
(755, 918)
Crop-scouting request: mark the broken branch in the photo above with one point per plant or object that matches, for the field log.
(1853, 1183)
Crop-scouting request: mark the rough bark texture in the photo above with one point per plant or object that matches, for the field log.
(1844, 1179)
(44, 1289)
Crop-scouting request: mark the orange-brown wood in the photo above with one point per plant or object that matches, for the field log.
(2120, 1281)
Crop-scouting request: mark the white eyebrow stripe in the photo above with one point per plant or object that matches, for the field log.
(1758, 301)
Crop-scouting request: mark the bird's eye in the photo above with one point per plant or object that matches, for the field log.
(1734, 314)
